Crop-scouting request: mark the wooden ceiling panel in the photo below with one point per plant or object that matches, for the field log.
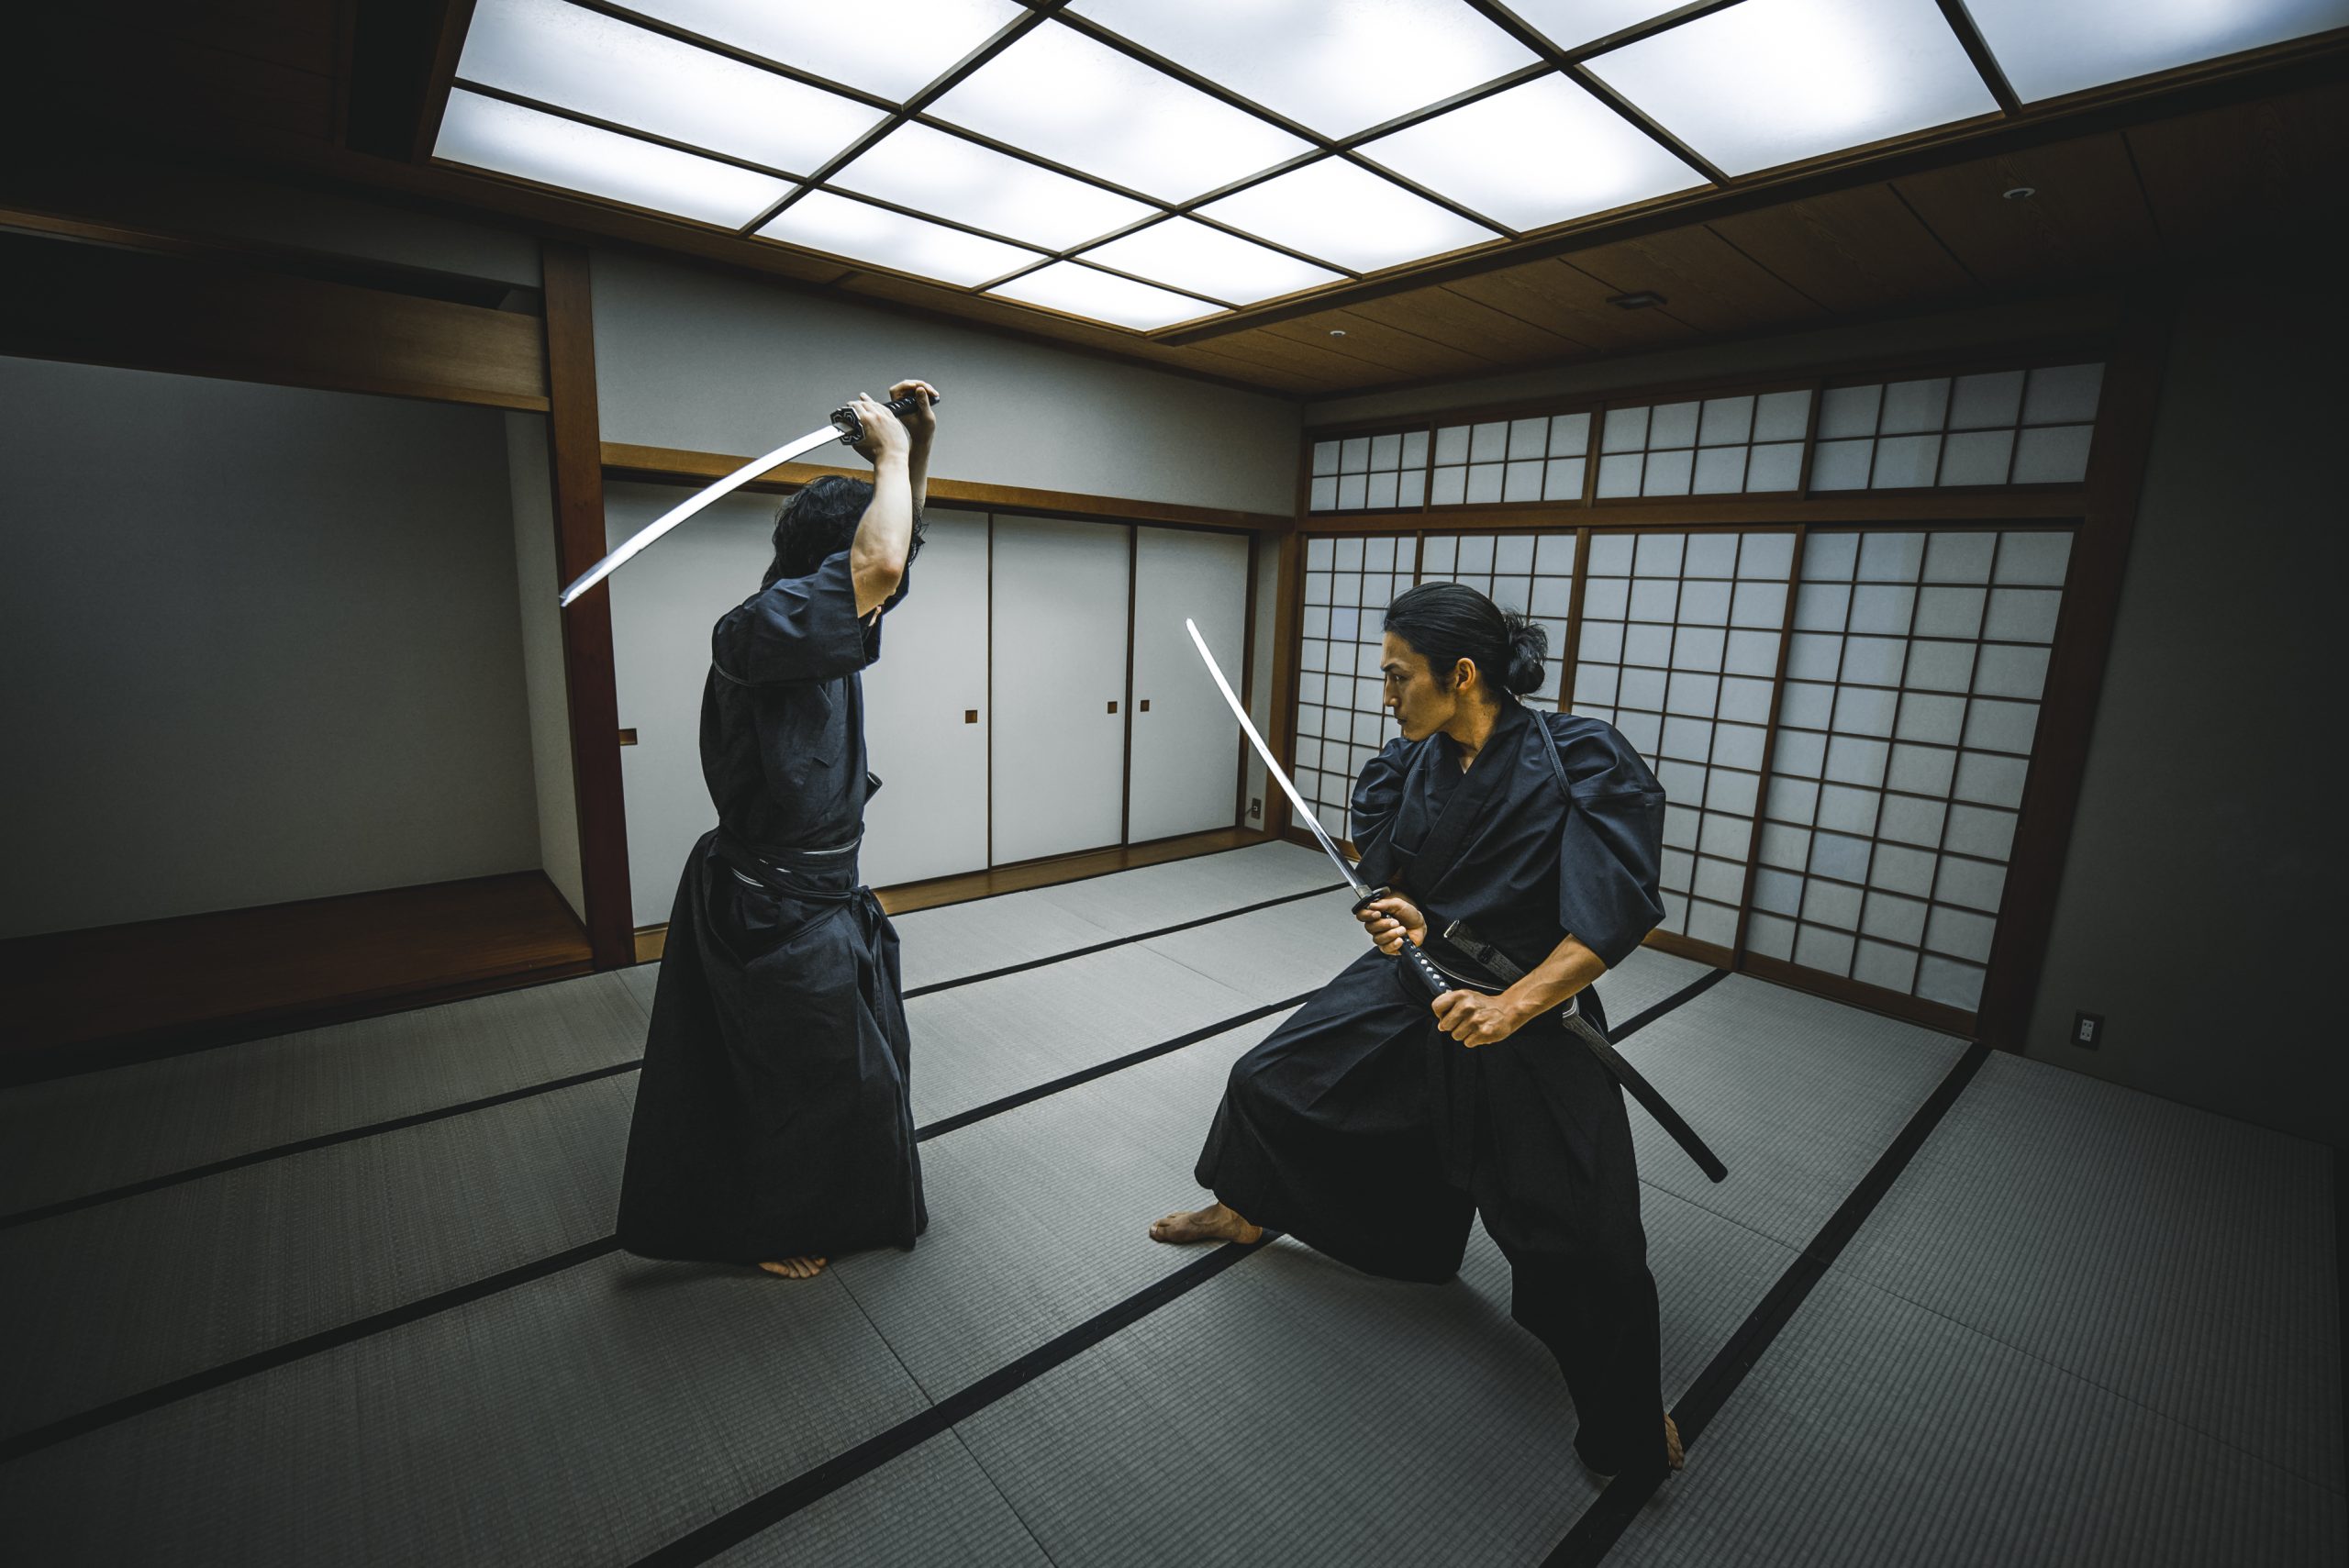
(2268, 168)
(1467, 324)
(1704, 280)
(1328, 371)
(2087, 218)
(1416, 348)
(1557, 298)
(1857, 250)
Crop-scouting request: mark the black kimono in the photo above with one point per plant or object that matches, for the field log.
(772, 1119)
(1360, 1129)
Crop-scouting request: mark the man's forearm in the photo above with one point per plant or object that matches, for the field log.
(885, 531)
(1569, 968)
(918, 477)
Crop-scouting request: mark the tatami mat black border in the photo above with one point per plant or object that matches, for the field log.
(772, 1506)
(802, 1487)
(1118, 942)
(1603, 1523)
(2341, 1290)
(373, 1128)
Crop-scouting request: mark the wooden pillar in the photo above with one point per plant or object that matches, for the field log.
(2123, 443)
(576, 442)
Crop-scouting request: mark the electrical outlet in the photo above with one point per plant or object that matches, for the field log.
(2087, 1030)
(1255, 807)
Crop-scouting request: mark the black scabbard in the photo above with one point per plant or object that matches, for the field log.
(1634, 1083)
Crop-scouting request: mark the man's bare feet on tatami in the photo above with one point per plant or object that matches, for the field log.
(796, 1268)
(1213, 1223)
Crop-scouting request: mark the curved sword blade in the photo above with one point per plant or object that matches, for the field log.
(1270, 766)
(685, 509)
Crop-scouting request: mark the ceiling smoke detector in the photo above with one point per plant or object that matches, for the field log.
(1645, 299)
(2021, 193)
(1337, 331)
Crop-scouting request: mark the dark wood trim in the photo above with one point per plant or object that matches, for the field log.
(671, 465)
(1248, 687)
(456, 20)
(1126, 767)
(72, 300)
(1977, 50)
(88, 999)
(1570, 656)
(1770, 737)
(1280, 734)
(991, 708)
(1857, 994)
(1680, 946)
(2006, 506)
(2117, 461)
(577, 469)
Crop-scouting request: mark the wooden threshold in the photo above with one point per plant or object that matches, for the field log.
(906, 897)
(80, 1000)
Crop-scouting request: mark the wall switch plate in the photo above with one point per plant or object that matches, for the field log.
(1255, 807)
(2087, 1030)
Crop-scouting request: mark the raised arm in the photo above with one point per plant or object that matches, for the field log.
(921, 427)
(876, 556)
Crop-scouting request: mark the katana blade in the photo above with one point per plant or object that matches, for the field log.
(1270, 766)
(844, 428)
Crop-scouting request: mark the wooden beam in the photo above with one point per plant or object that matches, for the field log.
(577, 468)
(671, 465)
(95, 303)
(2124, 438)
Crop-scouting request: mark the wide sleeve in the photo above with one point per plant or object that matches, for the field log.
(1379, 793)
(1611, 852)
(802, 629)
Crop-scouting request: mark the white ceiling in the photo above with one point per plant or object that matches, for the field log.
(1315, 141)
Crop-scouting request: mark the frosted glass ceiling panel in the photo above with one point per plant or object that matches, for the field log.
(1570, 24)
(1207, 260)
(893, 55)
(1770, 82)
(1345, 214)
(583, 61)
(491, 134)
(931, 172)
(1534, 155)
(2047, 50)
(1338, 68)
(822, 221)
(1082, 291)
(1058, 93)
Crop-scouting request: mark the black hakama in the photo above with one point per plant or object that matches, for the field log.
(772, 1119)
(1361, 1129)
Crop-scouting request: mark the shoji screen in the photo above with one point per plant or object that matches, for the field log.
(1527, 573)
(1680, 637)
(1340, 724)
(1904, 739)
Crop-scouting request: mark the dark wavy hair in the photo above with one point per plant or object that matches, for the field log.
(1446, 622)
(817, 521)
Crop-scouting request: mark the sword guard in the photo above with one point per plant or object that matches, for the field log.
(852, 429)
(1373, 896)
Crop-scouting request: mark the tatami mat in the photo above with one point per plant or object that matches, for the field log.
(2180, 1260)
(930, 1506)
(1874, 1431)
(1796, 1093)
(992, 1038)
(590, 1417)
(99, 1130)
(163, 1285)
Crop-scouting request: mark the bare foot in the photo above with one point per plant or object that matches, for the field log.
(796, 1268)
(1213, 1223)
(1672, 1444)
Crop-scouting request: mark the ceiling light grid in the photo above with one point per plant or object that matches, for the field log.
(735, 112)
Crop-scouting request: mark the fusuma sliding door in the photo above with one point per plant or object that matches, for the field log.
(1059, 682)
(927, 714)
(1185, 745)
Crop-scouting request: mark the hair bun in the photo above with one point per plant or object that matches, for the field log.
(1528, 644)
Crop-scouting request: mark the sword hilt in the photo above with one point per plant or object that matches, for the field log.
(852, 429)
(1423, 971)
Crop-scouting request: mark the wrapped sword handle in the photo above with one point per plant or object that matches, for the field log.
(852, 429)
(1421, 969)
